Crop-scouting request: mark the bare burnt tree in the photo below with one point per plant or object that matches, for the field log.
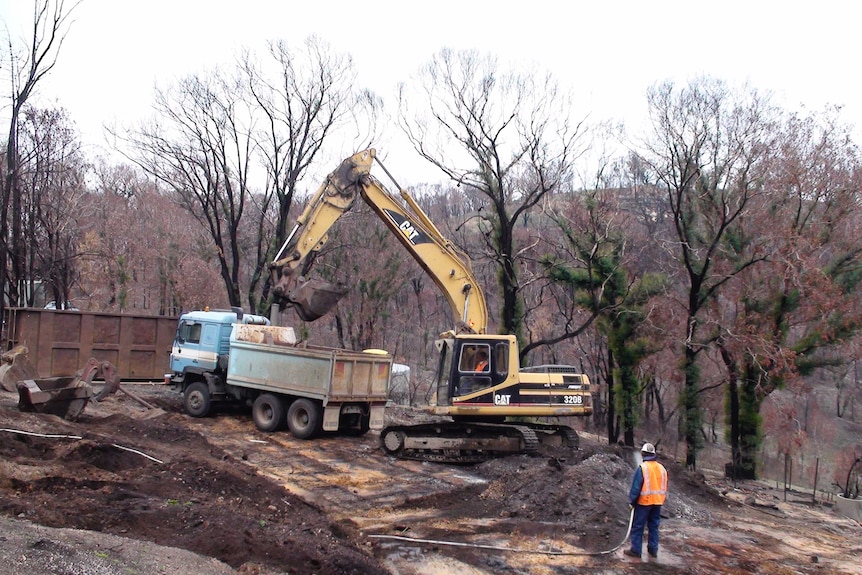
(797, 314)
(305, 97)
(505, 135)
(28, 62)
(708, 151)
(52, 183)
(213, 133)
(199, 147)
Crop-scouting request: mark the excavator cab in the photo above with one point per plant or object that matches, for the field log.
(473, 370)
(470, 368)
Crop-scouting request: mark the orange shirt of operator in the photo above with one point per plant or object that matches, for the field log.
(482, 361)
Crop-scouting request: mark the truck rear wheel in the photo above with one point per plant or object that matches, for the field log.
(303, 418)
(267, 412)
(197, 399)
(355, 424)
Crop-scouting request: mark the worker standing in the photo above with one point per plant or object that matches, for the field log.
(647, 495)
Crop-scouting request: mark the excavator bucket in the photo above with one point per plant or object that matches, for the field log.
(63, 396)
(313, 298)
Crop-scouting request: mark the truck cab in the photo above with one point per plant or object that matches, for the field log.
(202, 343)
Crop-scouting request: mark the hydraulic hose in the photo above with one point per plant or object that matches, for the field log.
(511, 549)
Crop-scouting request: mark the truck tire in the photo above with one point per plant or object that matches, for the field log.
(303, 418)
(197, 400)
(267, 412)
(355, 424)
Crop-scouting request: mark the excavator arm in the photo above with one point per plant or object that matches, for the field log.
(448, 267)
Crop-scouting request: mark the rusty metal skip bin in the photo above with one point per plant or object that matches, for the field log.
(63, 396)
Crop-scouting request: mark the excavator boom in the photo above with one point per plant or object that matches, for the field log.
(449, 267)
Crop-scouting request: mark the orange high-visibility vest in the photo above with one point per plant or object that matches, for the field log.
(654, 488)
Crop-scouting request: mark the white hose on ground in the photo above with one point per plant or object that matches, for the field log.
(510, 549)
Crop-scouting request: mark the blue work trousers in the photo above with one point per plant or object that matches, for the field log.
(648, 516)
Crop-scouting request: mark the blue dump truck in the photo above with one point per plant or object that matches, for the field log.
(225, 356)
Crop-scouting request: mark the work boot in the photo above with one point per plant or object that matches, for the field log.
(653, 553)
(631, 553)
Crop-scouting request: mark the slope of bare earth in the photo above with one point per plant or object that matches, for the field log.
(137, 490)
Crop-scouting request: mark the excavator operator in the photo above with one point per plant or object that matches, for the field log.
(481, 361)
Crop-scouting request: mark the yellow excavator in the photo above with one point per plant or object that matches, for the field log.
(487, 402)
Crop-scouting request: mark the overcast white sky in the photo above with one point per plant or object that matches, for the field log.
(609, 52)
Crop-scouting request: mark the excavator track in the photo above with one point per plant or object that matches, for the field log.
(456, 442)
(561, 434)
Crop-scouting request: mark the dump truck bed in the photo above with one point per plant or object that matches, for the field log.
(268, 358)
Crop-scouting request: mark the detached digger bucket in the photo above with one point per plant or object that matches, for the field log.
(313, 298)
(63, 396)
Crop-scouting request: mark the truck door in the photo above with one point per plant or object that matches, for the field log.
(195, 346)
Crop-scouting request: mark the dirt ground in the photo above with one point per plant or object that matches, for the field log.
(129, 489)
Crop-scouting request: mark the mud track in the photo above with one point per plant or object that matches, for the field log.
(247, 502)
(562, 511)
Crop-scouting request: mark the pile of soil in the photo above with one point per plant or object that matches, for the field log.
(152, 479)
(578, 496)
(126, 489)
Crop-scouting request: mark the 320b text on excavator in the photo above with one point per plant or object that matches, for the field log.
(488, 405)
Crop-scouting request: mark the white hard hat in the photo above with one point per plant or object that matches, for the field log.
(648, 448)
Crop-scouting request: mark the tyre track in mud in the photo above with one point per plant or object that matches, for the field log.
(351, 479)
(347, 477)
